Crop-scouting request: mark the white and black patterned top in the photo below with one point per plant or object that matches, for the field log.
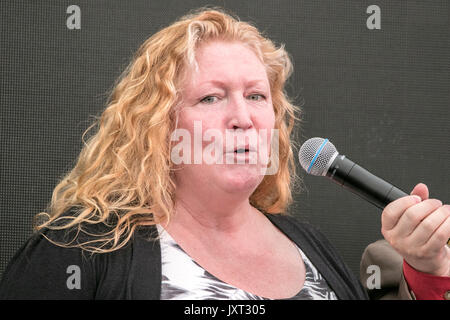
(184, 279)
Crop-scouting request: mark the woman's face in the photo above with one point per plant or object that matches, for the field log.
(228, 96)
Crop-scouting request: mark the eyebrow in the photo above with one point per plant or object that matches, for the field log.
(222, 84)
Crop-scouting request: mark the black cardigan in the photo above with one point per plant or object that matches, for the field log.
(40, 269)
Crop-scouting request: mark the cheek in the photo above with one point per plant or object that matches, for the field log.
(185, 120)
(265, 119)
(267, 124)
(189, 118)
(201, 130)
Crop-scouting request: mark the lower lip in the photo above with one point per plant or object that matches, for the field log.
(242, 155)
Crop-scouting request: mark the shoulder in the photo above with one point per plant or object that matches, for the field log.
(307, 236)
(381, 254)
(381, 251)
(42, 270)
(293, 226)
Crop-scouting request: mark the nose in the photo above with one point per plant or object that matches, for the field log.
(239, 114)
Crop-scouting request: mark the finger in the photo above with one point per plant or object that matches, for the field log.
(440, 237)
(394, 210)
(416, 215)
(430, 225)
(421, 190)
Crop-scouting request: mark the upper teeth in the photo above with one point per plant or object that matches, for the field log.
(240, 150)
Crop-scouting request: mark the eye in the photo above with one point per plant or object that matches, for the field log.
(208, 99)
(256, 97)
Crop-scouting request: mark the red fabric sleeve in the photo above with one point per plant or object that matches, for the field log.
(424, 285)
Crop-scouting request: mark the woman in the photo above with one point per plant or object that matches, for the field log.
(136, 220)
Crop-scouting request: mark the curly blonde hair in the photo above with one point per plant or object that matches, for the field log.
(124, 174)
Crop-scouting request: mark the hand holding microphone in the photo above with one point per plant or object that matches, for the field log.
(417, 227)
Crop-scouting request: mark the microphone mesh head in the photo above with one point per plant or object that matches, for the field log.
(315, 155)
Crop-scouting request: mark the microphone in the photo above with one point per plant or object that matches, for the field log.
(319, 157)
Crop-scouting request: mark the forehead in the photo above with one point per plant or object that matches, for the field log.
(227, 61)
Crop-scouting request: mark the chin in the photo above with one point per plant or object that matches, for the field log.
(241, 180)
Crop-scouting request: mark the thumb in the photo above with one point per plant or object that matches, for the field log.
(421, 190)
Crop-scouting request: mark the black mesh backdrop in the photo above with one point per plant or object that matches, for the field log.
(381, 96)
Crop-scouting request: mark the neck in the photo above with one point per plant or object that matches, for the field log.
(212, 215)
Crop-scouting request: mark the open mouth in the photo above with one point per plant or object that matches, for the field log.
(241, 150)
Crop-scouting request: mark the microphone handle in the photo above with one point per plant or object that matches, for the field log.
(358, 180)
(368, 186)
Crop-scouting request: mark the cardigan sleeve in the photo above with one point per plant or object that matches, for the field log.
(43, 270)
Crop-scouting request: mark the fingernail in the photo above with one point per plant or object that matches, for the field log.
(418, 199)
